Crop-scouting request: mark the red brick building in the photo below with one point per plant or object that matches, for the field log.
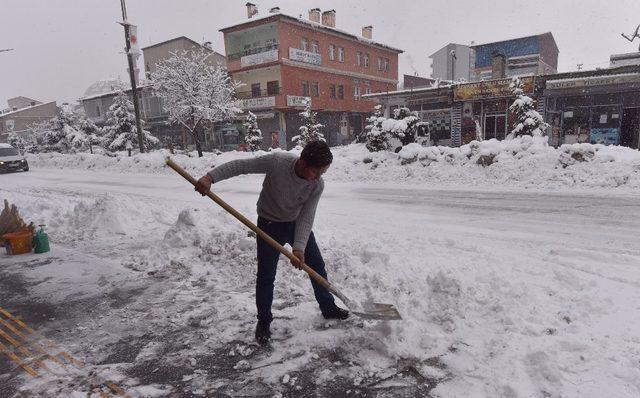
(284, 61)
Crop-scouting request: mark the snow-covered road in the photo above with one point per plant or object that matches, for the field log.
(504, 293)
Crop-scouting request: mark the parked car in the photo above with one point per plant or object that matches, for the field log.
(11, 160)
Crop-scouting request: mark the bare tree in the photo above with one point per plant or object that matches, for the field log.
(632, 37)
(194, 92)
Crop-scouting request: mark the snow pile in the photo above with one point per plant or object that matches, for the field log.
(521, 162)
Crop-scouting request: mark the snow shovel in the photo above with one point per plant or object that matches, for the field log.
(367, 310)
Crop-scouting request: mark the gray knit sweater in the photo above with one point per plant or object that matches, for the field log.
(284, 197)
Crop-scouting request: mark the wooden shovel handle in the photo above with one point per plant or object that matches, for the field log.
(317, 277)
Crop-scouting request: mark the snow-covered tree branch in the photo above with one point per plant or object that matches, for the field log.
(310, 130)
(527, 121)
(194, 92)
(121, 130)
(252, 135)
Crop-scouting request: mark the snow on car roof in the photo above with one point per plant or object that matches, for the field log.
(5, 145)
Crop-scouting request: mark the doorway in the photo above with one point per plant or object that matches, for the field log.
(495, 126)
(630, 127)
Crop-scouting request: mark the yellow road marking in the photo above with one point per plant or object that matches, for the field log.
(35, 345)
(24, 349)
(33, 332)
(17, 360)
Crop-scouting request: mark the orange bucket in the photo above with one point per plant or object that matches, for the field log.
(18, 242)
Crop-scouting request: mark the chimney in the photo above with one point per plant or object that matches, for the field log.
(367, 32)
(329, 18)
(252, 10)
(274, 10)
(314, 15)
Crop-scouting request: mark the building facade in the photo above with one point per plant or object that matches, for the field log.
(601, 106)
(452, 62)
(284, 62)
(532, 55)
(155, 53)
(156, 118)
(19, 120)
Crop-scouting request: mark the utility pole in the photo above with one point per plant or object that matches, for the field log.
(134, 89)
(453, 66)
(579, 66)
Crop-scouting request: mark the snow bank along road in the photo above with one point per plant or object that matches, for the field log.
(510, 293)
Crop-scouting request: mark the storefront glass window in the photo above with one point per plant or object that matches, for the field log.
(575, 125)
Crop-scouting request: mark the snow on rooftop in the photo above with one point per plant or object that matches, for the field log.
(25, 108)
(316, 25)
(572, 79)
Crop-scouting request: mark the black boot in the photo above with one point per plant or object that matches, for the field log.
(263, 334)
(335, 313)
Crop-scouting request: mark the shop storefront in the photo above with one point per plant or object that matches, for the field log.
(433, 105)
(483, 108)
(598, 107)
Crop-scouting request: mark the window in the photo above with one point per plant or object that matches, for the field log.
(332, 52)
(255, 90)
(97, 110)
(356, 93)
(304, 44)
(366, 60)
(341, 91)
(273, 87)
(332, 91)
(340, 54)
(314, 47)
(305, 88)
(359, 58)
(386, 64)
(367, 90)
(379, 63)
(315, 89)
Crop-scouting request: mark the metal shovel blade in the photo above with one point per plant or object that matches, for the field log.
(377, 311)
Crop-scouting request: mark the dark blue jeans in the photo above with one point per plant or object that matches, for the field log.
(283, 232)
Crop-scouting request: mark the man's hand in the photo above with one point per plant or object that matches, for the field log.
(300, 256)
(204, 184)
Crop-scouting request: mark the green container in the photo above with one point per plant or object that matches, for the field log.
(41, 241)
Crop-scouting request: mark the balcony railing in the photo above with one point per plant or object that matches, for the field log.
(251, 51)
(257, 94)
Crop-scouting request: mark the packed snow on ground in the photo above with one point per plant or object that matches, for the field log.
(522, 162)
(518, 293)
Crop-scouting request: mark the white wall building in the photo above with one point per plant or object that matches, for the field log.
(452, 62)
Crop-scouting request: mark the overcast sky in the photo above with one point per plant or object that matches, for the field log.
(63, 46)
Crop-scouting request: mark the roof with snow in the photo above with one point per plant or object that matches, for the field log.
(115, 91)
(26, 108)
(315, 25)
(408, 91)
(195, 43)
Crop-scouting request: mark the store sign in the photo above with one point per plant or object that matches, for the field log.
(490, 89)
(259, 58)
(296, 54)
(295, 100)
(593, 81)
(265, 115)
(256, 103)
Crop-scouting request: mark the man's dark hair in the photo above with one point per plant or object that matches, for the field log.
(317, 154)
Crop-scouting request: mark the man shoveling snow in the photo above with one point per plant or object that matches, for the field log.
(286, 209)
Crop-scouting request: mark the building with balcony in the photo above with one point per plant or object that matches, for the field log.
(284, 61)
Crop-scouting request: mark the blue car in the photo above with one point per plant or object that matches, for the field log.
(11, 160)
